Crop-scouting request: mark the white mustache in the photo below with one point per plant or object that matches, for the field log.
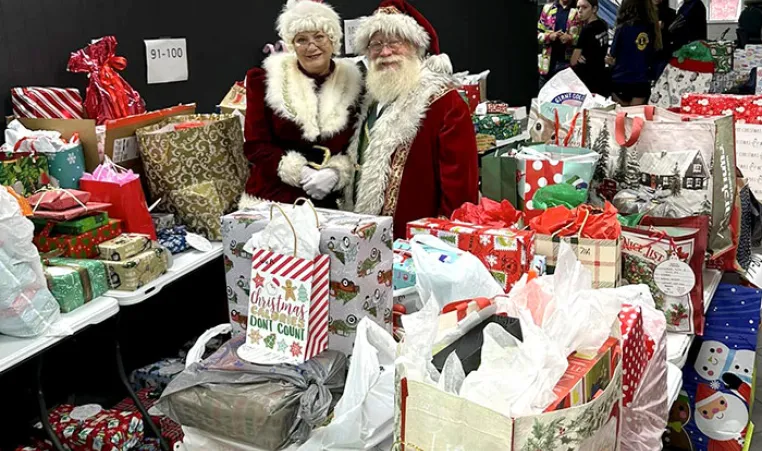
(388, 60)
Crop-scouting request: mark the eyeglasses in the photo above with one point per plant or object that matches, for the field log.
(378, 46)
(305, 41)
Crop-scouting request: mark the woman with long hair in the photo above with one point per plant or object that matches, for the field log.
(636, 39)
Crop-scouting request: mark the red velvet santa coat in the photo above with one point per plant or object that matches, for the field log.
(421, 160)
(287, 114)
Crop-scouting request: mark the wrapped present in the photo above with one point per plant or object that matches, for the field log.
(170, 430)
(58, 199)
(473, 88)
(235, 99)
(156, 376)
(72, 213)
(163, 220)
(722, 83)
(403, 273)
(91, 427)
(173, 239)
(75, 282)
(637, 350)
(586, 376)
(501, 126)
(746, 109)
(506, 253)
(77, 246)
(134, 272)
(722, 55)
(47, 103)
(75, 226)
(360, 247)
(199, 208)
(496, 107)
(499, 176)
(108, 95)
(123, 247)
(670, 261)
(485, 142)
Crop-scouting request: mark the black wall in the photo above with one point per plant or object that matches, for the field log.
(225, 39)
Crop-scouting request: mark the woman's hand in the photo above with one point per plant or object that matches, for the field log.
(554, 35)
(581, 60)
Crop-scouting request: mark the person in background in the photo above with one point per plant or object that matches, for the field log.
(415, 146)
(300, 110)
(690, 24)
(557, 33)
(749, 29)
(636, 39)
(590, 51)
(667, 17)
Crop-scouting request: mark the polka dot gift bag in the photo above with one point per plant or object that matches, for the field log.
(544, 165)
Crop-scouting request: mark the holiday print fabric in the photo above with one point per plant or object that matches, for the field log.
(714, 413)
(745, 109)
(106, 430)
(77, 246)
(23, 172)
(637, 350)
(675, 82)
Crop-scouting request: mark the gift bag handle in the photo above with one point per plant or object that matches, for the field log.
(573, 125)
(306, 201)
(637, 128)
(287, 220)
(31, 145)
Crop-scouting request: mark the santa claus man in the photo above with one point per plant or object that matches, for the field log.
(722, 417)
(414, 148)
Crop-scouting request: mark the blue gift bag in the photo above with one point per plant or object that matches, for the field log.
(67, 166)
(713, 411)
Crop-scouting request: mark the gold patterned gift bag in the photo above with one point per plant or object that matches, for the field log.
(200, 207)
(188, 151)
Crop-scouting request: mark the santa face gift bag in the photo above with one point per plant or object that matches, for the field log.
(718, 377)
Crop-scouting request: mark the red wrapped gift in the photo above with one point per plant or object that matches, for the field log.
(745, 109)
(170, 430)
(108, 95)
(90, 427)
(473, 95)
(77, 246)
(47, 103)
(58, 199)
(637, 350)
(72, 213)
(507, 253)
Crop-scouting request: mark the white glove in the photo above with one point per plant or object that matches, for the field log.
(320, 183)
(306, 174)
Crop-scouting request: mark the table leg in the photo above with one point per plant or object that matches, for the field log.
(151, 426)
(44, 409)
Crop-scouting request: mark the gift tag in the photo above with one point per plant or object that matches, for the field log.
(81, 413)
(674, 278)
(198, 242)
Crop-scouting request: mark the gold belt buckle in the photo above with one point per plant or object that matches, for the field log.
(326, 157)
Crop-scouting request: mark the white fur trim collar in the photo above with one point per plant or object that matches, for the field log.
(291, 94)
(396, 129)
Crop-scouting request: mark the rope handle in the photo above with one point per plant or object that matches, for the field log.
(312, 207)
(326, 157)
(287, 220)
(47, 190)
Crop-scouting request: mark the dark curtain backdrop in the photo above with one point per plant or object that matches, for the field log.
(225, 39)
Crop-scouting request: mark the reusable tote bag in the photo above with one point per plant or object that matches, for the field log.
(648, 148)
(288, 305)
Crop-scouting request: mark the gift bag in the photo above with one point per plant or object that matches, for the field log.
(499, 176)
(67, 166)
(722, 55)
(699, 174)
(670, 261)
(674, 82)
(25, 172)
(121, 188)
(288, 305)
(183, 153)
(544, 165)
(108, 95)
(718, 379)
(235, 99)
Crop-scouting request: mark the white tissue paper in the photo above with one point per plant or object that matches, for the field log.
(34, 140)
(278, 236)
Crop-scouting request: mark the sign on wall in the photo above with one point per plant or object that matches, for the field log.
(166, 60)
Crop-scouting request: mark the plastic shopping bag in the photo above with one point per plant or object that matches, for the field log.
(464, 277)
(364, 416)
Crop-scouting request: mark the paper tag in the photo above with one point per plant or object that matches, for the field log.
(350, 30)
(748, 149)
(674, 278)
(198, 242)
(81, 413)
(125, 149)
(166, 60)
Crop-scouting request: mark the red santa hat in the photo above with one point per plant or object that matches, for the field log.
(399, 18)
(309, 15)
(706, 394)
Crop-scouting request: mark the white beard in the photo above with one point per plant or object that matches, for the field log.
(386, 85)
(734, 420)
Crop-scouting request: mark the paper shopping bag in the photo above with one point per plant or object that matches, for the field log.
(288, 309)
(128, 203)
(602, 257)
(499, 176)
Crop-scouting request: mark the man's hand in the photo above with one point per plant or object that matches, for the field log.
(321, 183)
(581, 60)
(566, 38)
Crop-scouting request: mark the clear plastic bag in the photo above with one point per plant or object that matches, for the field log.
(27, 308)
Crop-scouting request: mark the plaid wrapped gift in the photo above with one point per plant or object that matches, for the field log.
(173, 239)
(722, 54)
(602, 257)
(637, 349)
(506, 253)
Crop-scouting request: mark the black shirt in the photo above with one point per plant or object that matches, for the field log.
(594, 43)
(750, 25)
(633, 50)
(558, 52)
(693, 13)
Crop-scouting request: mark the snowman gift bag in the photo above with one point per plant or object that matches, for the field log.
(713, 412)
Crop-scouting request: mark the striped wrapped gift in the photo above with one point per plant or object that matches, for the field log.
(602, 257)
(47, 103)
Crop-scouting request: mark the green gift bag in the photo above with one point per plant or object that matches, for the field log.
(499, 176)
(25, 172)
(67, 166)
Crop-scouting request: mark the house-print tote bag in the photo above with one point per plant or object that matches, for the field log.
(639, 151)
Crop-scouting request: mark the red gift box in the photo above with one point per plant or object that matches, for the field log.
(473, 95)
(637, 350)
(106, 430)
(170, 430)
(77, 246)
(745, 109)
(507, 253)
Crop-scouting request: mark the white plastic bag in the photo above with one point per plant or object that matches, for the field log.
(27, 308)
(289, 227)
(465, 277)
(364, 416)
